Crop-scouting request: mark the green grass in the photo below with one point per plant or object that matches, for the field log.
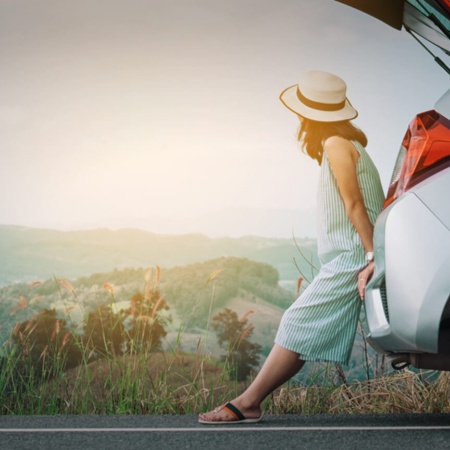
(176, 383)
(145, 381)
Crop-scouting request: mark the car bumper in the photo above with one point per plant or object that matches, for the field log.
(405, 298)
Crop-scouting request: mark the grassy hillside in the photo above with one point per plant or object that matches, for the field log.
(179, 383)
(30, 254)
(190, 374)
(194, 294)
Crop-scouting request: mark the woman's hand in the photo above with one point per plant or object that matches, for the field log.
(363, 278)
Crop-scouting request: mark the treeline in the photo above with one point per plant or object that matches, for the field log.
(193, 291)
(193, 297)
(46, 345)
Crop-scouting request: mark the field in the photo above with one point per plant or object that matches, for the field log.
(128, 363)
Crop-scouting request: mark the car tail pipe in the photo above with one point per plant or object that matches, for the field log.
(420, 361)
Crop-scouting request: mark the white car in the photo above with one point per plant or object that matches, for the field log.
(408, 299)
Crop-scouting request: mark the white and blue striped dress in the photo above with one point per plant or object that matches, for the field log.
(321, 324)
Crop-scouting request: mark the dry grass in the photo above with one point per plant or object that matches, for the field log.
(404, 392)
(177, 383)
(147, 382)
(159, 384)
(186, 384)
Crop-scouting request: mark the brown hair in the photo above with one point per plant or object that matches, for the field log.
(313, 134)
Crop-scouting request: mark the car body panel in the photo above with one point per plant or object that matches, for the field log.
(442, 106)
(439, 204)
(412, 277)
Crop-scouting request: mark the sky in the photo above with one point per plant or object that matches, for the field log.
(114, 111)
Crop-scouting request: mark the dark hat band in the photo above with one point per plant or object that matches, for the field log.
(318, 105)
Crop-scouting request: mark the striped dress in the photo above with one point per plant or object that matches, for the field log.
(321, 324)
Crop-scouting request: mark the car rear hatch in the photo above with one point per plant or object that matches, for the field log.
(427, 19)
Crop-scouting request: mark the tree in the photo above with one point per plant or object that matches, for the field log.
(104, 331)
(45, 345)
(234, 335)
(147, 323)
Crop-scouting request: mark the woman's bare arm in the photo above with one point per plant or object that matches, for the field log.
(343, 158)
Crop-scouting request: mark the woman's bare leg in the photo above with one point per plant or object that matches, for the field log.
(280, 366)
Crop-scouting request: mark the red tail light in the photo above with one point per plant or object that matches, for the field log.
(425, 150)
(445, 4)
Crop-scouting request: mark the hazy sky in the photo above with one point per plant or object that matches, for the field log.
(123, 109)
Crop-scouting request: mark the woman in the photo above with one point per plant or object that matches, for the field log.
(321, 324)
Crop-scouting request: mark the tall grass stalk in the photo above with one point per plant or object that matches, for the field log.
(146, 381)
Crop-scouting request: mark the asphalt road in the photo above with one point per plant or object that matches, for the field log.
(362, 432)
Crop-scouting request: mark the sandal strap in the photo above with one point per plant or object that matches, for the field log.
(234, 411)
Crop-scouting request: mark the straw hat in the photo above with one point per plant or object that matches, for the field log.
(319, 96)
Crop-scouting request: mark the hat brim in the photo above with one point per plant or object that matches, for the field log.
(292, 102)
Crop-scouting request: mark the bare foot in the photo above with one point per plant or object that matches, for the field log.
(227, 414)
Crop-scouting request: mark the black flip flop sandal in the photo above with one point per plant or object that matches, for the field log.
(234, 412)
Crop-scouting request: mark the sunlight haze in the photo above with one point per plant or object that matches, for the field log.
(116, 113)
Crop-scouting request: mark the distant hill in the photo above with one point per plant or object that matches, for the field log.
(29, 254)
(231, 222)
